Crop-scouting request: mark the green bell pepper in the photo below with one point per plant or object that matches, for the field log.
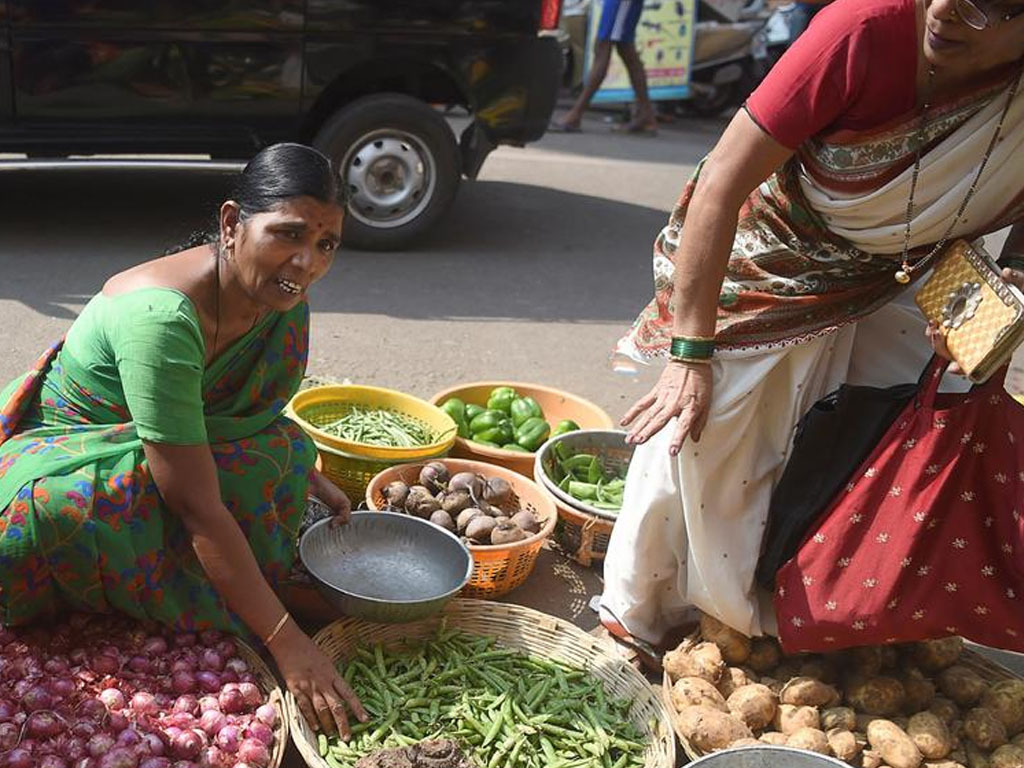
(455, 408)
(514, 447)
(473, 410)
(486, 420)
(501, 399)
(485, 442)
(566, 425)
(500, 433)
(533, 432)
(524, 408)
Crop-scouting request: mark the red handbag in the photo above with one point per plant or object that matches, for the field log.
(927, 540)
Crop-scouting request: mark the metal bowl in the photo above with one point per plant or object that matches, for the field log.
(384, 566)
(767, 757)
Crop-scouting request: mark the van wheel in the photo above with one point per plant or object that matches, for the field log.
(398, 159)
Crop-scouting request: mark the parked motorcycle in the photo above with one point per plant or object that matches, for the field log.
(729, 58)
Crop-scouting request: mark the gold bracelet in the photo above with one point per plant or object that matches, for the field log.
(695, 360)
(278, 628)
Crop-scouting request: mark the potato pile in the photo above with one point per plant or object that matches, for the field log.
(908, 706)
(482, 510)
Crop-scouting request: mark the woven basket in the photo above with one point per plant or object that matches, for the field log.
(556, 404)
(267, 682)
(583, 531)
(497, 569)
(987, 670)
(350, 465)
(515, 627)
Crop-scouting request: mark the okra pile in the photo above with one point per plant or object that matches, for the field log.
(504, 708)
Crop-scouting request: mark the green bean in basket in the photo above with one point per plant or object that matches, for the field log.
(381, 426)
(503, 708)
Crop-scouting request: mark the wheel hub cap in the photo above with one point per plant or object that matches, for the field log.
(390, 176)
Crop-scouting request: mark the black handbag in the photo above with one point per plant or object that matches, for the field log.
(831, 441)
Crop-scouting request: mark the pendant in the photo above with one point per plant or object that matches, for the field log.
(902, 277)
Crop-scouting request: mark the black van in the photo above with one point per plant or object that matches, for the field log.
(364, 80)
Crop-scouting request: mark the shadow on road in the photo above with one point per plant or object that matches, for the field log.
(505, 251)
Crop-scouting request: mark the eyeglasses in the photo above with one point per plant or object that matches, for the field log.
(977, 14)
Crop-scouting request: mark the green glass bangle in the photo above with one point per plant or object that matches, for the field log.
(692, 347)
(1013, 262)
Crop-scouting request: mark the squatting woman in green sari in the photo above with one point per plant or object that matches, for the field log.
(145, 464)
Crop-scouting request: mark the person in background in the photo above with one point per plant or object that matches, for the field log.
(617, 29)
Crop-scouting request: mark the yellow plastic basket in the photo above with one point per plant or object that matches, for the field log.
(350, 465)
(319, 406)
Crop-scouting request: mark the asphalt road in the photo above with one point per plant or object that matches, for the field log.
(542, 264)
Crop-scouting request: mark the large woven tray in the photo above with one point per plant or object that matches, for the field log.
(986, 669)
(516, 627)
(268, 684)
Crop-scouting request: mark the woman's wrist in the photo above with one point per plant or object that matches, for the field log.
(685, 348)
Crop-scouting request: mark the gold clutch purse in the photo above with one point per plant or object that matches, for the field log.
(981, 316)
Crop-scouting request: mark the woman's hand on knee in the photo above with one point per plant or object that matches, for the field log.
(336, 499)
(323, 696)
(684, 390)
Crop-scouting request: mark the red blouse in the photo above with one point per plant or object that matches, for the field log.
(854, 68)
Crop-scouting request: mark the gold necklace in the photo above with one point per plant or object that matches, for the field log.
(903, 274)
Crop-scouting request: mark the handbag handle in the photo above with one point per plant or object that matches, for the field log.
(931, 378)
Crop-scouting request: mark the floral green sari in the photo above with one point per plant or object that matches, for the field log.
(82, 524)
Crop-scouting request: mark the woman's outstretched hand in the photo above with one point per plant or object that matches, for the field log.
(937, 339)
(336, 499)
(684, 390)
(323, 696)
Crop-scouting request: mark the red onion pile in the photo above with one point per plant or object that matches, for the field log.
(105, 692)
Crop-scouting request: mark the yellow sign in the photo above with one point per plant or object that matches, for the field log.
(664, 39)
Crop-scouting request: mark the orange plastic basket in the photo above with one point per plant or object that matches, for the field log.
(497, 569)
(556, 404)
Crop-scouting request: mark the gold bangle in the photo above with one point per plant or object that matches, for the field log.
(696, 360)
(277, 629)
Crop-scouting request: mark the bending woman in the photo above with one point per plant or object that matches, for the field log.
(145, 464)
(787, 256)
